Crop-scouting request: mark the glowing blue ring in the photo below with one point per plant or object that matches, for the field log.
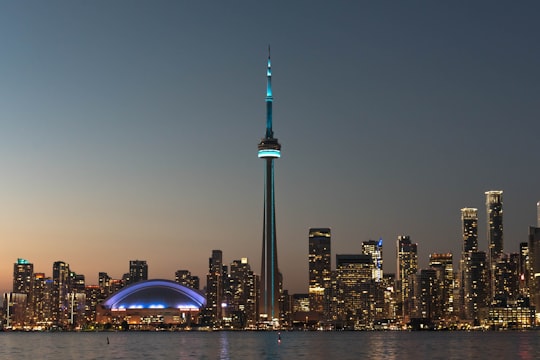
(269, 153)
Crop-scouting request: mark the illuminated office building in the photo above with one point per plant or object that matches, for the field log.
(269, 149)
(475, 284)
(61, 294)
(444, 271)
(241, 295)
(524, 269)
(23, 283)
(42, 293)
(538, 214)
(494, 208)
(534, 255)
(375, 250)
(407, 265)
(353, 287)
(469, 222)
(426, 302)
(214, 287)
(320, 270)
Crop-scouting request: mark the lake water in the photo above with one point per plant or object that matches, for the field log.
(264, 345)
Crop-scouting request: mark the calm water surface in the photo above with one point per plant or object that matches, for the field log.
(265, 345)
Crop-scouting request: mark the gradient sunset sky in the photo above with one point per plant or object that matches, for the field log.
(129, 129)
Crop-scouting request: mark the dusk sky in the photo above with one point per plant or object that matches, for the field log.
(129, 129)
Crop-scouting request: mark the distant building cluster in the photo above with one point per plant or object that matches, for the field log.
(486, 289)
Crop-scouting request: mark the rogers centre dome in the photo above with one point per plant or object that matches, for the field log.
(152, 302)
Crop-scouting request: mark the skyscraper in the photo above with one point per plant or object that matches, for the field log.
(375, 250)
(23, 277)
(534, 254)
(444, 269)
(407, 265)
(469, 225)
(495, 236)
(495, 224)
(320, 269)
(538, 214)
(60, 293)
(214, 286)
(269, 149)
(473, 267)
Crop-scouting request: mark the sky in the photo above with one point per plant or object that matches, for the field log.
(129, 129)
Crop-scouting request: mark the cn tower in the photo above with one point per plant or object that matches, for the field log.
(269, 149)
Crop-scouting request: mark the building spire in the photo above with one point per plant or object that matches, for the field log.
(269, 98)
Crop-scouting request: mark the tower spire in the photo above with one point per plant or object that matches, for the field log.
(269, 98)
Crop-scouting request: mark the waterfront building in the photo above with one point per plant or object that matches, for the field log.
(507, 275)
(475, 285)
(534, 255)
(524, 269)
(23, 283)
(269, 149)
(444, 271)
(61, 290)
(494, 209)
(407, 265)
(240, 295)
(426, 299)
(15, 305)
(538, 214)
(42, 304)
(320, 270)
(92, 299)
(353, 282)
(214, 287)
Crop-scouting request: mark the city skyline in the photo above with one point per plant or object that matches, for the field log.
(128, 129)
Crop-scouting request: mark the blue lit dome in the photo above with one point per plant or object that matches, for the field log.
(155, 294)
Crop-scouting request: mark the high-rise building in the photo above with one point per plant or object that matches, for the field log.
(138, 271)
(43, 287)
(538, 214)
(354, 290)
(494, 208)
(524, 269)
(375, 250)
(475, 284)
(444, 270)
(407, 265)
(214, 286)
(241, 295)
(269, 149)
(23, 283)
(534, 255)
(469, 222)
(320, 270)
(60, 307)
(426, 303)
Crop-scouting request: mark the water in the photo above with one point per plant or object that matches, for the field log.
(265, 345)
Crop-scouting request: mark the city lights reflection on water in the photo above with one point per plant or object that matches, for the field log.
(272, 345)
